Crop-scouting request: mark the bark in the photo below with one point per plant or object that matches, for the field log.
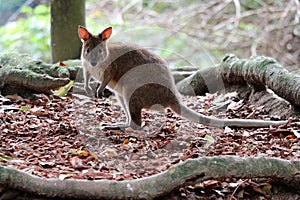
(66, 15)
(258, 72)
(21, 71)
(180, 73)
(188, 172)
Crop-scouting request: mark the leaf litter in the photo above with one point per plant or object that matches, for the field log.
(61, 137)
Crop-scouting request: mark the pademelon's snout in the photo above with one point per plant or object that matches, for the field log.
(93, 63)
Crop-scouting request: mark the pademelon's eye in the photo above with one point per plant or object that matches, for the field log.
(87, 50)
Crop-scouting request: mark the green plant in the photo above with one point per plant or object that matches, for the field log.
(30, 34)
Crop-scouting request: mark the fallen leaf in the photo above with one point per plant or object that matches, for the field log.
(236, 184)
(83, 153)
(235, 105)
(240, 194)
(77, 163)
(62, 64)
(258, 190)
(62, 91)
(281, 131)
(24, 108)
(219, 192)
(5, 158)
(47, 164)
(64, 176)
(289, 137)
(110, 152)
(210, 183)
(228, 130)
(210, 141)
(126, 141)
(246, 134)
(296, 133)
(14, 97)
(267, 188)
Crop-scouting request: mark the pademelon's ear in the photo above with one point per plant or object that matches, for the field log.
(83, 33)
(106, 33)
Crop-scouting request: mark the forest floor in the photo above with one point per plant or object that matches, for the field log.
(61, 137)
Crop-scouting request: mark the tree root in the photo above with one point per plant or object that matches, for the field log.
(21, 71)
(33, 81)
(188, 172)
(258, 72)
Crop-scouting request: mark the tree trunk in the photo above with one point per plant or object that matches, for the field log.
(66, 15)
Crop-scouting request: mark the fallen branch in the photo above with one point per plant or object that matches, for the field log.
(188, 172)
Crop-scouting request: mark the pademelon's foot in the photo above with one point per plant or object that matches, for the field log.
(121, 127)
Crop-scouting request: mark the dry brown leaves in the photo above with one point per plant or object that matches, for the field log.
(62, 138)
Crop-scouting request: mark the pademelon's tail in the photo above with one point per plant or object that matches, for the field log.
(217, 122)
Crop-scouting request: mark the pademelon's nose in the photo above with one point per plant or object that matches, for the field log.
(94, 63)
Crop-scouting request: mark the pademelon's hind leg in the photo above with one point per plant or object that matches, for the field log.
(135, 114)
(175, 106)
(125, 108)
(119, 126)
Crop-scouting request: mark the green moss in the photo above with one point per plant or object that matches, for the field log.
(20, 70)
